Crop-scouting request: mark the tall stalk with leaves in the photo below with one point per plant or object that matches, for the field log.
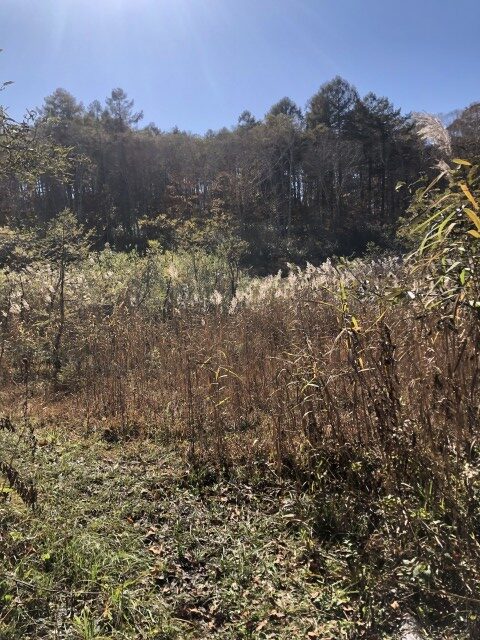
(446, 226)
(63, 243)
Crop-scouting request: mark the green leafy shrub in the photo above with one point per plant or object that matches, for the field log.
(446, 224)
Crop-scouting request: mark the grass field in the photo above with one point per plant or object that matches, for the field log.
(300, 461)
(129, 541)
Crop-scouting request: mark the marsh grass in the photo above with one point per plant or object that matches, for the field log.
(337, 381)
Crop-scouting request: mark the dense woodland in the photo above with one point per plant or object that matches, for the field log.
(297, 185)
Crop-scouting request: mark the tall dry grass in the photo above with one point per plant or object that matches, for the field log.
(290, 365)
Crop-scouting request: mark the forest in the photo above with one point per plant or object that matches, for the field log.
(240, 373)
(299, 185)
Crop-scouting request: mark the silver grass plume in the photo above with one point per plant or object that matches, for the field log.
(431, 129)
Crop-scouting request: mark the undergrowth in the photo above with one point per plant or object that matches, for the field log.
(129, 541)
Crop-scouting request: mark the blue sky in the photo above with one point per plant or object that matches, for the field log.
(199, 63)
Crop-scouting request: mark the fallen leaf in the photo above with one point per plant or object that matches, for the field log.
(156, 549)
(261, 625)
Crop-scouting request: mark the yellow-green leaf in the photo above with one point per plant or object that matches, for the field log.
(466, 191)
(474, 233)
(473, 217)
(460, 161)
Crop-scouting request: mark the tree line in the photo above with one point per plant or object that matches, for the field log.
(297, 185)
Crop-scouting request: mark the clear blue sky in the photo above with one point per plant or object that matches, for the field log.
(199, 63)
